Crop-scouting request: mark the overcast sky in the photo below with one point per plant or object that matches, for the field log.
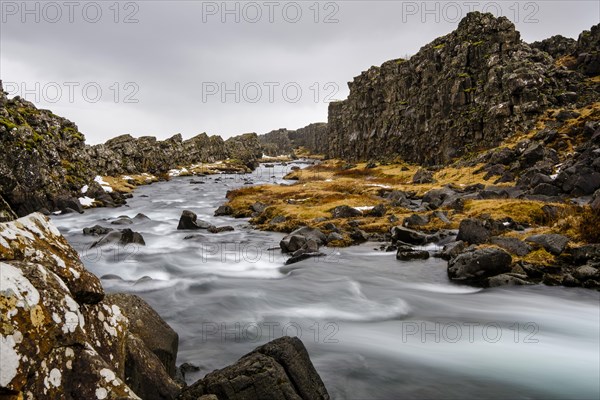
(165, 67)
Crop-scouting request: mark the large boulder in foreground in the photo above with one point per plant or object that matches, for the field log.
(34, 239)
(278, 370)
(477, 265)
(60, 337)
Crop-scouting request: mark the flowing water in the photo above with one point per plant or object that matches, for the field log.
(375, 327)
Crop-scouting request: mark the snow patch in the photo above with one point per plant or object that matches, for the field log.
(364, 208)
(84, 189)
(86, 201)
(105, 186)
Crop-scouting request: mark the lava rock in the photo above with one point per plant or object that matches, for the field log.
(553, 243)
(345, 212)
(189, 220)
(278, 370)
(223, 210)
(423, 176)
(406, 235)
(513, 245)
(473, 231)
(406, 253)
(477, 265)
(298, 238)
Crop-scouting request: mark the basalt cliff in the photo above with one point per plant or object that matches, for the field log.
(45, 162)
(463, 92)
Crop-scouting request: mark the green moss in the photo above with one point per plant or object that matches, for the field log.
(478, 43)
(469, 90)
(439, 46)
(9, 125)
(464, 75)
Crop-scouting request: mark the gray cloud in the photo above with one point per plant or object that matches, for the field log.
(170, 55)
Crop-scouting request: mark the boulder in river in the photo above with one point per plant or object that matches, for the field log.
(476, 265)
(278, 370)
(189, 220)
(407, 253)
(406, 235)
(122, 237)
(298, 238)
(223, 210)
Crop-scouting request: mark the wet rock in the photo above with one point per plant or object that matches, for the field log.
(334, 236)
(97, 230)
(139, 217)
(406, 235)
(223, 210)
(345, 212)
(219, 229)
(513, 245)
(302, 256)
(122, 237)
(473, 231)
(189, 220)
(508, 280)
(146, 324)
(553, 243)
(587, 272)
(298, 238)
(453, 249)
(279, 370)
(478, 264)
(358, 236)
(122, 220)
(407, 253)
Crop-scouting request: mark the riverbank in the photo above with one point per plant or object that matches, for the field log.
(533, 201)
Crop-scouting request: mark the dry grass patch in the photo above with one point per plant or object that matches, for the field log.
(523, 211)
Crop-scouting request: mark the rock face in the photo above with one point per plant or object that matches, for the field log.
(284, 141)
(464, 91)
(280, 369)
(43, 161)
(61, 337)
(128, 155)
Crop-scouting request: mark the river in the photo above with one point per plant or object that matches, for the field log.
(375, 327)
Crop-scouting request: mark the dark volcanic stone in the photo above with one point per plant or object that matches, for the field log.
(279, 370)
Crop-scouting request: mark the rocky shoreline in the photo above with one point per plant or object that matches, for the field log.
(62, 336)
